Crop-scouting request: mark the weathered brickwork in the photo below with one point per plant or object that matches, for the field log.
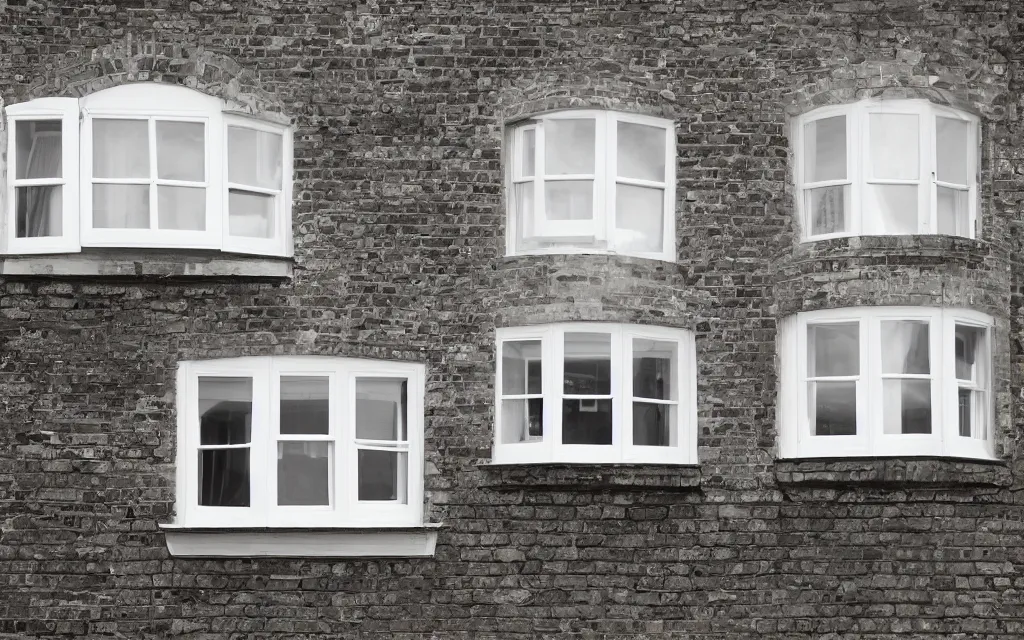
(399, 109)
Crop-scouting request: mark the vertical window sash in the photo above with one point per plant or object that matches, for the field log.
(544, 226)
(804, 186)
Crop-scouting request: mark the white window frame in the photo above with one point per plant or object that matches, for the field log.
(549, 448)
(796, 439)
(598, 234)
(859, 170)
(346, 510)
(151, 102)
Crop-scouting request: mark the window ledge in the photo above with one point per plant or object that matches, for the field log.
(185, 263)
(590, 476)
(896, 473)
(346, 542)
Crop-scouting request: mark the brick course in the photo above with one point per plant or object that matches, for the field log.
(399, 110)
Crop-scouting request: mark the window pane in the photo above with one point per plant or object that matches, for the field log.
(255, 157)
(225, 410)
(825, 149)
(305, 405)
(905, 346)
(653, 424)
(639, 218)
(827, 209)
(520, 367)
(120, 206)
(224, 477)
(522, 420)
(569, 146)
(39, 211)
(894, 208)
(967, 347)
(382, 475)
(965, 412)
(524, 208)
(586, 421)
(569, 200)
(250, 215)
(381, 409)
(181, 208)
(529, 153)
(588, 363)
(951, 152)
(181, 150)
(303, 473)
(641, 152)
(654, 369)
(832, 408)
(833, 350)
(906, 406)
(38, 149)
(895, 146)
(120, 148)
(952, 211)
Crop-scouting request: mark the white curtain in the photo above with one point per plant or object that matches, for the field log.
(41, 215)
(120, 150)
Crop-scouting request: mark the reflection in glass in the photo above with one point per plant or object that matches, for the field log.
(182, 208)
(652, 424)
(224, 477)
(832, 408)
(569, 200)
(638, 218)
(305, 405)
(895, 146)
(120, 206)
(225, 410)
(833, 350)
(303, 473)
(381, 409)
(180, 150)
(641, 152)
(587, 364)
(250, 215)
(825, 150)
(38, 146)
(254, 158)
(529, 155)
(894, 207)
(39, 211)
(654, 369)
(905, 346)
(586, 421)
(522, 420)
(906, 406)
(827, 207)
(382, 475)
(952, 211)
(569, 146)
(951, 151)
(120, 148)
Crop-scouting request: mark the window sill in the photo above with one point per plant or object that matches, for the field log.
(591, 476)
(894, 473)
(347, 542)
(185, 263)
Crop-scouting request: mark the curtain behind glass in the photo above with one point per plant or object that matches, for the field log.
(41, 215)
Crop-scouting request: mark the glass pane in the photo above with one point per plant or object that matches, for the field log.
(38, 149)
(254, 157)
(832, 408)
(906, 406)
(225, 410)
(303, 473)
(641, 152)
(39, 211)
(825, 149)
(569, 146)
(965, 412)
(224, 477)
(569, 200)
(826, 208)
(967, 347)
(639, 218)
(381, 409)
(588, 363)
(181, 150)
(586, 421)
(181, 208)
(895, 146)
(120, 206)
(905, 346)
(952, 211)
(653, 424)
(654, 369)
(522, 420)
(529, 153)
(305, 405)
(833, 350)
(951, 152)
(250, 215)
(524, 208)
(894, 208)
(120, 148)
(382, 475)
(520, 367)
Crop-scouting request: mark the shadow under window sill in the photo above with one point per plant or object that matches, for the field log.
(891, 473)
(590, 476)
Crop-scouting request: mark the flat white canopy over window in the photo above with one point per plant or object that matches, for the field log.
(594, 392)
(145, 165)
(592, 182)
(886, 381)
(889, 167)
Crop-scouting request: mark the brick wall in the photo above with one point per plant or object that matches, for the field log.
(399, 254)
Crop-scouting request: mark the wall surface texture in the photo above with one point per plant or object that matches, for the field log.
(399, 227)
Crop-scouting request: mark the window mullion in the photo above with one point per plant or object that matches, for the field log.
(344, 442)
(606, 175)
(856, 159)
(622, 405)
(554, 349)
(540, 215)
(153, 173)
(944, 411)
(927, 217)
(869, 414)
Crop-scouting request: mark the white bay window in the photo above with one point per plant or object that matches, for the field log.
(590, 392)
(892, 167)
(876, 381)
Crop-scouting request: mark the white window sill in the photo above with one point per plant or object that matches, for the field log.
(185, 263)
(383, 542)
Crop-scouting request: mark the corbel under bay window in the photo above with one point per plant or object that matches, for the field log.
(595, 393)
(886, 381)
(592, 182)
(887, 167)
